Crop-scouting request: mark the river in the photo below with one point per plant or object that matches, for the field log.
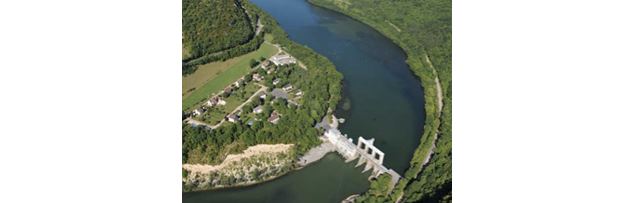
(381, 99)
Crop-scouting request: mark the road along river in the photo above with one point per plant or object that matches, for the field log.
(381, 99)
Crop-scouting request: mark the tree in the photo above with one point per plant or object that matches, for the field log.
(253, 63)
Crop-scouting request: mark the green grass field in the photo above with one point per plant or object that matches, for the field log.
(213, 77)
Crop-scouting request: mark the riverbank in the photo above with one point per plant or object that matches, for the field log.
(254, 165)
(426, 37)
(316, 153)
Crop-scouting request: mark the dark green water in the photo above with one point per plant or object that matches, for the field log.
(382, 100)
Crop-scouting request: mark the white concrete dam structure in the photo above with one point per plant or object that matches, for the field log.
(364, 150)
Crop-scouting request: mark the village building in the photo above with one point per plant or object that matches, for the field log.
(279, 93)
(274, 118)
(282, 59)
(233, 118)
(258, 109)
(197, 112)
(220, 101)
(228, 90)
(215, 101)
(258, 77)
(299, 93)
(287, 87)
(276, 81)
(239, 81)
(265, 64)
(263, 96)
(211, 102)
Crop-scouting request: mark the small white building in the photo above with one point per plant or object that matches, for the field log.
(287, 87)
(215, 101)
(276, 81)
(221, 101)
(258, 109)
(282, 59)
(299, 93)
(197, 112)
(233, 118)
(257, 77)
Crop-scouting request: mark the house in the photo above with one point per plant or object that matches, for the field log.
(279, 93)
(239, 81)
(299, 93)
(228, 90)
(197, 112)
(274, 118)
(221, 101)
(211, 102)
(265, 63)
(263, 96)
(257, 77)
(216, 101)
(276, 81)
(250, 122)
(258, 109)
(282, 59)
(233, 118)
(287, 87)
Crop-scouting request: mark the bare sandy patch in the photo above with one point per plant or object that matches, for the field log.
(249, 152)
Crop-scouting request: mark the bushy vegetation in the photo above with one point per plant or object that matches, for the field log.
(423, 28)
(269, 165)
(213, 25)
(321, 84)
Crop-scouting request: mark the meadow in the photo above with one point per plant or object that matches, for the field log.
(213, 77)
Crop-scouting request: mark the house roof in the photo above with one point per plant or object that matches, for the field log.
(279, 93)
(258, 108)
(274, 116)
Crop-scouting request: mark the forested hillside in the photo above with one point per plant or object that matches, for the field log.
(423, 28)
(211, 26)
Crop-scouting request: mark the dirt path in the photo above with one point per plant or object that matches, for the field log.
(249, 152)
(440, 105)
(259, 27)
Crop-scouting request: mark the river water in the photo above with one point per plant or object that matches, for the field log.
(382, 99)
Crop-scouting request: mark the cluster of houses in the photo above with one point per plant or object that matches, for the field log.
(274, 117)
(215, 101)
(288, 88)
(278, 60)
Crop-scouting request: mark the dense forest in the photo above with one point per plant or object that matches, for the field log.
(210, 26)
(321, 84)
(423, 28)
